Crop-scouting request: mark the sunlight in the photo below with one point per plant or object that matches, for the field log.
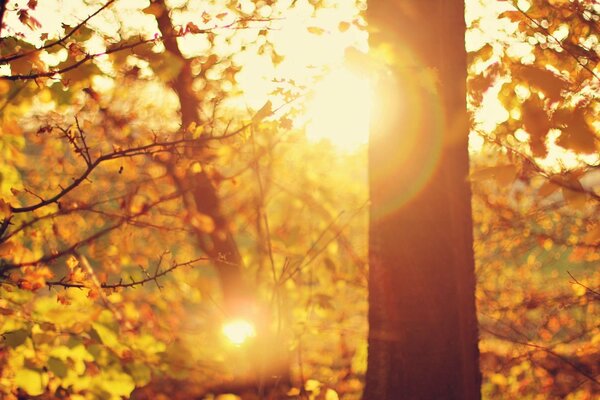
(340, 109)
(238, 331)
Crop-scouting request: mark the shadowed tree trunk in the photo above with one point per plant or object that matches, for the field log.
(423, 326)
(271, 372)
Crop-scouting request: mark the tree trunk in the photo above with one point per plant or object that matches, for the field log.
(423, 326)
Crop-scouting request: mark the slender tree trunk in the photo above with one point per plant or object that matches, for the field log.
(203, 197)
(240, 298)
(423, 326)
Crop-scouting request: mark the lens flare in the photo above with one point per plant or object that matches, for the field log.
(238, 331)
(340, 110)
(407, 106)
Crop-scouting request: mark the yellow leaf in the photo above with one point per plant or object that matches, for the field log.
(106, 335)
(72, 262)
(265, 111)
(5, 211)
(343, 26)
(30, 381)
(315, 30)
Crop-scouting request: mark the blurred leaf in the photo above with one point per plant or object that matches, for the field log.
(107, 335)
(57, 367)
(16, 338)
(29, 380)
(577, 134)
(537, 124)
(503, 174)
(545, 80)
(575, 198)
(315, 30)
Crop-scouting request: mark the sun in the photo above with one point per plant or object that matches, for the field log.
(339, 110)
(238, 331)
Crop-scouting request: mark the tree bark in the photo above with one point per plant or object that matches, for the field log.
(203, 199)
(422, 320)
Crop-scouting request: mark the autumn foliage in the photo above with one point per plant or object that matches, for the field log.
(144, 203)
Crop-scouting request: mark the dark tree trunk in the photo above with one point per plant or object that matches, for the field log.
(423, 326)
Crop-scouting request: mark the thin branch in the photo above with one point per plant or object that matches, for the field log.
(158, 273)
(592, 291)
(61, 40)
(553, 353)
(148, 149)
(121, 47)
(102, 232)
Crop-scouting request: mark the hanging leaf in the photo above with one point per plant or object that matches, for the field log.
(577, 134)
(537, 124)
(545, 80)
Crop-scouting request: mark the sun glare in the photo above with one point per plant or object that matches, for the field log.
(340, 109)
(238, 331)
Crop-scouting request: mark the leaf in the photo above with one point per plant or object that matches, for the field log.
(344, 26)
(117, 383)
(540, 78)
(514, 16)
(72, 262)
(140, 373)
(265, 111)
(16, 338)
(547, 189)
(575, 198)
(503, 174)
(577, 134)
(5, 211)
(57, 367)
(537, 124)
(29, 380)
(483, 54)
(107, 336)
(315, 30)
